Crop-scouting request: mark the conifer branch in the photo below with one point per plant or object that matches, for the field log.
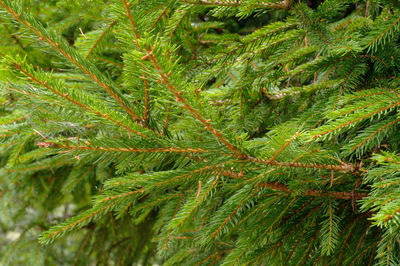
(357, 120)
(284, 146)
(340, 168)
(384, 32)
(348, 75)
(344, 245)
(365, 250)
(187, 106)
(262, 206)
(122, 195)
(358, 108)
(166, 121)
(269, 227)
(85, 241)
(72, 100)
(12, 88)
(292, 182)
(120, 149)
(231, 214)
(375, 133)
(158, 18)
(173, 217)
(284, 4)
(109, 27)
(42, 36)
(33, 168)
(316, 193)
(132, 22)
(187, 214)
(144, 78)
(365, 95)
(12, 35)
(298, 241)
(146, 100)
(83, 219)
(14, 120)
(182, 16)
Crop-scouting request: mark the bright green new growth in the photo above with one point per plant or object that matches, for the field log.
(199, 132)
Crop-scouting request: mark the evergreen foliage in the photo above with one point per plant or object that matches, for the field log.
(199, 132)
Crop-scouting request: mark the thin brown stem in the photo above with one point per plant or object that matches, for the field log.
(119, 149)
(132, 22)
(187, 106)
(285, 4)
(146, 100)
(70, 99)
(316, 193)
(74, 60)
(284, 146)
(100, 37)
(166, 121)
(144, 78)
(341, 168)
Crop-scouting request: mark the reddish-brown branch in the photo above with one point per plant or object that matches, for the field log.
(284, 146)
(100, 37)
(187, 106)
(383, 33)
(335, 167)
(73, 60)
(316, 193)
(231, 214)
(220, 137)
(144, 78)
(68, 98)
(158, 18)
(119, 149)
(173, 217)
(356, 120)
(146, 100)
(81, 220)
(166, 121)
(15, 120)
(132, 22)
(284, 4)
(375, 132)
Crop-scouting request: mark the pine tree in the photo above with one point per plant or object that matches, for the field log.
(200, 132)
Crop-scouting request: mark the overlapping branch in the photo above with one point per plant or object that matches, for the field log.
(316, 193)
(119, 149)
(77, 62)
(187, 106)
(284, 4)
(72, 100)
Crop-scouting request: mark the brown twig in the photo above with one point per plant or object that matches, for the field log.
(73, 60)
(341, 168)
(132, 22)
(285, 4)
(119, 149)
(68, 98)
(316, 193)
(187, 106)
(284, 146)
(144, 78)
(100, 37)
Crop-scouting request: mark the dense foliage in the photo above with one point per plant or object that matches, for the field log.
(199, 132)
